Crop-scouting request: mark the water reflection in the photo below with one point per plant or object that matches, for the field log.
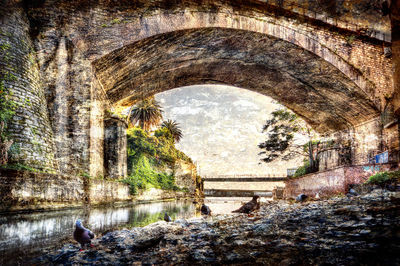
(22, 235)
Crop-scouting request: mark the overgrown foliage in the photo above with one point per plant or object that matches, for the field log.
(7, 105)
(143, 176)
(383, 178)
(147, 158)
(302, 170)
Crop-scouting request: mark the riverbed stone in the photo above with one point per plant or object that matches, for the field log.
(337, 231)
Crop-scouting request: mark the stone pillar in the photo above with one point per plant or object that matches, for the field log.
(97, 109)
(367, 141)
(395, 21)
(395, 25)
(30, 127)
(115, 148)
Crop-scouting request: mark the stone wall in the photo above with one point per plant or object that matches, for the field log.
(364, 141)
(103, 191)
(97, 113)
(261, 186)
(158, 194)
(395, 29)
(115, 148)
(331, 182)
(22, 191)
(30, 128)
(185, 175)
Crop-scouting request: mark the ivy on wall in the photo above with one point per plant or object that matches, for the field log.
(7, 105)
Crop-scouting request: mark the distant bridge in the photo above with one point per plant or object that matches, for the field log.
(229, 185)
(244, 179)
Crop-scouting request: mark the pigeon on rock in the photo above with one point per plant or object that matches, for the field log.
(205, 210)
(249, 206)
(167, 218)
(301, 197)
(82, 235)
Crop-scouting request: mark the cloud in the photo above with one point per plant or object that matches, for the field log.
(222, 127)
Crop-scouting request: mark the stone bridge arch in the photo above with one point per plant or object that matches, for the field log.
(299, 79)
(341, 49)
(59, 47)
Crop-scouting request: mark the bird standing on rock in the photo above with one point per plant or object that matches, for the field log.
(249, 206)
(82, 235)
(301, 198)
(167, 218)
(205, 210)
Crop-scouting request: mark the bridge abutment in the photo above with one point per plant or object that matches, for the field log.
(30, 127)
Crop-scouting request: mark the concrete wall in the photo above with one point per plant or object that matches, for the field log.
(332, 181)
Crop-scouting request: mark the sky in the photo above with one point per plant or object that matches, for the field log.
(221, 128)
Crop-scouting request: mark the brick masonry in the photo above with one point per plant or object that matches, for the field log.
(333, 181)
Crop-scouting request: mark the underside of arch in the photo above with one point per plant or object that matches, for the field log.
(302, 81)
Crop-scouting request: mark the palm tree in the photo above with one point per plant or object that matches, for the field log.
(173, 128)
(146, 113)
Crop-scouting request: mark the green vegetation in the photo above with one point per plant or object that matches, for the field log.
(350, 39)
(116, 21)
(7, 105)
(383, 178)
(302, 170)
(148, 156)
(22, 167)
(144, 176)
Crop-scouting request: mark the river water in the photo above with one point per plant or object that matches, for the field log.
(26, 235)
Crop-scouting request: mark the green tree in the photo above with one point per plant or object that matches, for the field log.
(146, 113)
(173, 128)
(281, 142)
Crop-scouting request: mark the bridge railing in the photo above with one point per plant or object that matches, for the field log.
(245, 176)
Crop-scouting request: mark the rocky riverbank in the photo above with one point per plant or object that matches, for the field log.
(363, 229)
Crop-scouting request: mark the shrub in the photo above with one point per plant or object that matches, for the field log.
(302, 170)
(382, 178)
